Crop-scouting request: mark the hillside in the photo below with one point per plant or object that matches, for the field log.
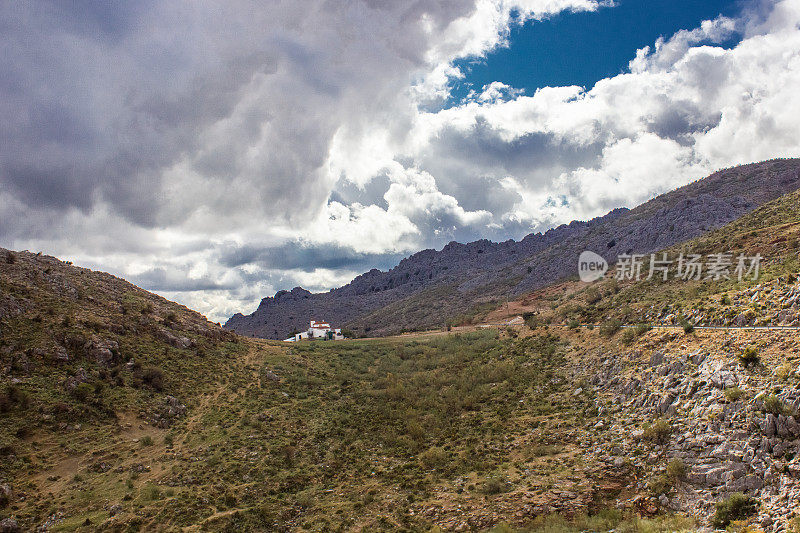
(432, 287)
(122, 411)
(771, 231)
(87, 361)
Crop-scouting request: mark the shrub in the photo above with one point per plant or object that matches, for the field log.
(151, 492)
(658, 432)
(153, 377)
(660, 484)
(5, 403)
(593, 296)
(433, 458)
(531, 320)
(784, 371)
(676, 470)
(687, 326)
(631, 334)
(169, 440)
(725, 300)
(82, 392)
(11, 258)
(145, 441)
(733, 394)
(13, 396)
(736, 507)
(628, 336)
(573, 324)
(774, 405)
(494, 485)
(749, 357)
(610, 327)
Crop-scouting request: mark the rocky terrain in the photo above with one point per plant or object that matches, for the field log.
(731, 428)
(432, 287)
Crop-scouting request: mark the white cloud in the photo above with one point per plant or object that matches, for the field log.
(158, 141)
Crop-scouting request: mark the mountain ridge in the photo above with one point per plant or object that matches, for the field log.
(462, 276)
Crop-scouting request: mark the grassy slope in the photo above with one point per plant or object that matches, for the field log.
(59, 419)
(773, 231)
(386, 434)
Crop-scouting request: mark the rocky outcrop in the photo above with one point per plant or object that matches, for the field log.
(170, 410)
(728, 443)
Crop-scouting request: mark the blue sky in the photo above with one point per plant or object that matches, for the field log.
(585, 47)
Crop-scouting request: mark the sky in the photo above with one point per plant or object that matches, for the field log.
(216, 153)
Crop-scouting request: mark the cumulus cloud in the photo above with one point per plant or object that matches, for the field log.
(219, 152)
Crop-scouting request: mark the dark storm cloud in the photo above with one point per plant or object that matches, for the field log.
(679, 120)
(159, 279)
(305, 257)
(469, 163)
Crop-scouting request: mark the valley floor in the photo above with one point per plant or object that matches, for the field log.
(460, 431)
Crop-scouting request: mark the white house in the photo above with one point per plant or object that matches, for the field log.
(318, 330)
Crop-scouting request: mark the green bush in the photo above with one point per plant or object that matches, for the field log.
(676, 470)
(610, 327)
(774, 405)
(151, 492)
(494, 485)
(628, 336)
(659, 484)
(687, 326)
(433, 458)
(749, 357)
(736, 507)
(82, 392)
(733, 394)
(658, 432)
(145, 441)
(13, 396)
(573, 324)
(593, 296)
(153, 377)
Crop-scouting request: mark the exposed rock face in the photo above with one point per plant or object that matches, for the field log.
(9, 525)
(726, 445)
(171, 410)
(431, 287)
(103, 351)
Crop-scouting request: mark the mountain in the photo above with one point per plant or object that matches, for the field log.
(431, 288)
(122, 411)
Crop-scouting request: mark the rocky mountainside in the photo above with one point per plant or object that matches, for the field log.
(698, 420)
(432, 287)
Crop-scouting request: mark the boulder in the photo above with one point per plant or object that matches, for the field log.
(105, 352)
